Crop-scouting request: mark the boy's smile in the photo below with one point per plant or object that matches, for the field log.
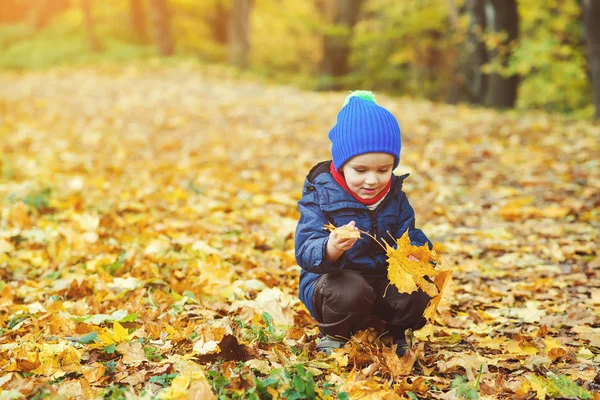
(368, 174)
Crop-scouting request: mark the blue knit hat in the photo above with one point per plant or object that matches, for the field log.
(362, 127)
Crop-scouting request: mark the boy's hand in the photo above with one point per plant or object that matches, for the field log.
(337, 245)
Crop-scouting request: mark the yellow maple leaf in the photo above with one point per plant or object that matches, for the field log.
(189, 384)
(344, 232)
(119, 334)
(442, 280)
(70, 360)
(359, 386)
(408, 273)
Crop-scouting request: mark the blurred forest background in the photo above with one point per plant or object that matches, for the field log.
(523, 54)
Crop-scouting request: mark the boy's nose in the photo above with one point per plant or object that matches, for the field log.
(371, 179)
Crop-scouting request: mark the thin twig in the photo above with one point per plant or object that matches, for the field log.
(374, 238)
(386, 288)
(380, 336)
(394, 239)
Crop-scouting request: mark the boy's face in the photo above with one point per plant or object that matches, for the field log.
(368, 174)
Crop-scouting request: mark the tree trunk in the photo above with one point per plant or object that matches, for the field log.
(591, 18)
(39, 13)
(238, 33)
(43, 14)
(86, 6)
(137, 18)
(469, 82)
(336, 49)
(502, 91)
(218, 22)
(161, 27)
(477, 81)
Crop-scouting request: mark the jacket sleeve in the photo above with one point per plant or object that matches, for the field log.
(311, 238)
(407, 221)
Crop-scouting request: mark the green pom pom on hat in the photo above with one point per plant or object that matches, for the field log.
(363, 94)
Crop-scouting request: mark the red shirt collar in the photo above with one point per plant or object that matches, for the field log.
(339, 178)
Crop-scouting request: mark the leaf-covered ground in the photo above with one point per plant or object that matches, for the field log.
(146, 244)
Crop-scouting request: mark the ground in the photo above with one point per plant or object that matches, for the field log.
(146, 243)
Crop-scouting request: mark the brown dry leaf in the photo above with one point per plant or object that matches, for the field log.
(588, 333)
(71, 389)
(94, 373)
(442, 281)
(471, 363)
(402, 366)
(133, 353)
(227, 349)
(419, 386)
(26, 358)
(134, 377)
(344, 232)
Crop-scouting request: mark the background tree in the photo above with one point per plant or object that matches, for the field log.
(548, 49)
(477, 80)
(137, 18)
(469, 82)
(336, 47)
(86, 6)
(42, 13)
(502, 91)
(161, 26)
(456, 90)
(591, 21)
(217, 19)
(238, 32)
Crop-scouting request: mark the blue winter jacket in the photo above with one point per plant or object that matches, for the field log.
(325, 201)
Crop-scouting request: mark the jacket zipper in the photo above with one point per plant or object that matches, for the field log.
(373, 215)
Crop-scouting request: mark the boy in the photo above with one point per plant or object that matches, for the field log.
(343, 281)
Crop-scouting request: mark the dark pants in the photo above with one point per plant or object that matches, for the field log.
(343, 302)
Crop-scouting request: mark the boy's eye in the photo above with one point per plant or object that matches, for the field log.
(383, 171)
(360, 171)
